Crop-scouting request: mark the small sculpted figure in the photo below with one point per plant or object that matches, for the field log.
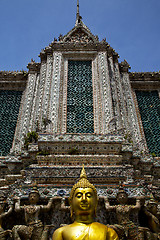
(34, 228)
(4, 233)
(142, 217)
(153, 221)
(142, 214)
(63, 205)
(83, 202)
(125, 226)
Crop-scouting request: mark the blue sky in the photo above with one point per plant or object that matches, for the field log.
(131, 27)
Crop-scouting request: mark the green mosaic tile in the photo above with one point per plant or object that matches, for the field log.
(9, 109)
(80, 97)
(149, 106)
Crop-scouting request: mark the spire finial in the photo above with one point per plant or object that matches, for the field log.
(78, 17)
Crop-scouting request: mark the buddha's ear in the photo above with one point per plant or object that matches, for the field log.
(95, 210)
(71, 209)
(71, 212)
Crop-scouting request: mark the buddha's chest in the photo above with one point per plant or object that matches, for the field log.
(83, 233)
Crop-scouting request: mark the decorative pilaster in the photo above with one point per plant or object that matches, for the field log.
(106, 92)
(32, 124)
(29, 98)
(117, 118)
(143, 143)
(130, 109)
(54, 92)
(26, 110)
(97, 101)
(47, 86)
(63, 115)
(123, 121)
(40, 95)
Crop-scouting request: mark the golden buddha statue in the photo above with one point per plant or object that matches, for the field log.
(83, 203)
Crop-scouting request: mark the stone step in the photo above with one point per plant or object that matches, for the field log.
(77, 160)
(69, 174)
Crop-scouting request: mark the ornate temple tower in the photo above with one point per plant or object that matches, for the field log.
(80, 88)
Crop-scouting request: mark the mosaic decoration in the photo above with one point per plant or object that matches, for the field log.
(80, 97)
(9, 108)
(149, 105)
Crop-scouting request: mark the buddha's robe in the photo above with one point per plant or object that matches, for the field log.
(81, 231)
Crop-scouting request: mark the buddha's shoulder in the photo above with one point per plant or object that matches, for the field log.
(64, 228)
(59, 232)
(99, 225)
(110, 232)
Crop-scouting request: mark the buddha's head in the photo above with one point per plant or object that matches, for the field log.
(122, 196)
(83, 197)
(34, 196)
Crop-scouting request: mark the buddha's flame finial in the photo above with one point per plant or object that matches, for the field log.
(83, 173)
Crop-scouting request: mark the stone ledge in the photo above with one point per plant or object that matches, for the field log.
(80, 138)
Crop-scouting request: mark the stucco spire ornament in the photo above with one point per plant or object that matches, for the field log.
(78, 17)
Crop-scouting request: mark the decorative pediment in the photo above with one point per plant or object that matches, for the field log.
(80, 34)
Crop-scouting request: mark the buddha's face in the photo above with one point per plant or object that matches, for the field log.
(122, 198)
(84, 201)
(33, 198)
